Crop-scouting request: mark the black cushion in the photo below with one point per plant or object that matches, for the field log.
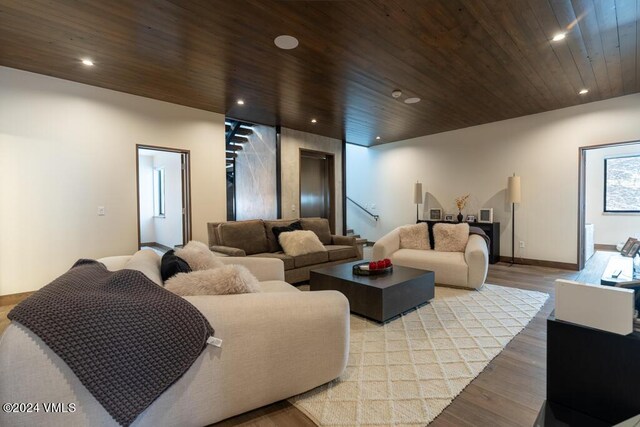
(171, 265)
(297, 225)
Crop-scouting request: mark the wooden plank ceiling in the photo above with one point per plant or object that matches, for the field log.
(470, 61)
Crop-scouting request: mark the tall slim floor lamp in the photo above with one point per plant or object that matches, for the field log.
(417, 197)
(514, 195)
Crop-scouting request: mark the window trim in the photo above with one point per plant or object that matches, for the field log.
(604, 202)
(159, 209)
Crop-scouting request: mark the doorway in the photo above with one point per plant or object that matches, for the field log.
(608, 197)
(164, 208)
(317, 186)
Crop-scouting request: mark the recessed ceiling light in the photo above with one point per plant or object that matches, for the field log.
(87, 62)
(559, 36)
(583, 91)
(377, 138)
(411, 100)
(314, 121)
(240, 102)
(286, 42)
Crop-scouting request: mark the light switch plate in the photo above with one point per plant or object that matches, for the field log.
(101, 211)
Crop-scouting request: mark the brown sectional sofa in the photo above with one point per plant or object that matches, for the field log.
(255, 238)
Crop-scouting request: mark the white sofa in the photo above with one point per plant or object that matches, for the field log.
(275, 344)
(466, 269)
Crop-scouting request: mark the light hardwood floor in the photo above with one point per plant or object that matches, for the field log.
(509, 392)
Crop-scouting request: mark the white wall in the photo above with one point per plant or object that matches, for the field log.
(541, 148)
(609, 228)
(291, 143)
(145, 183)
(168, 229)
(67, 148)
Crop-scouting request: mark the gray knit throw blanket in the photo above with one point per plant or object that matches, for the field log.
(125, 338)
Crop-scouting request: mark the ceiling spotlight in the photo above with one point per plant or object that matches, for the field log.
(559, 36)
(396, 93)
(87, 62)
(377, 138)
(240, 102)
(286, 42)
(314, 121)
(583, 91)
(412, 100)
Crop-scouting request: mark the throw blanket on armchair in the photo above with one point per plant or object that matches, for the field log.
(126, 338)
(480, 232)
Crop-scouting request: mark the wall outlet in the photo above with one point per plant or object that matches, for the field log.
(101, 211)
(522, 243)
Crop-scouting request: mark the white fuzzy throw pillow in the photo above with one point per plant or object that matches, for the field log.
(450, 237)
(198, 256)
(415, 237)
(230, 279)
(300, 242)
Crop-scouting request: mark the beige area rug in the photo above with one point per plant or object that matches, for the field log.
(407, 371)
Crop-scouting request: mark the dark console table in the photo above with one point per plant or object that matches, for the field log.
(492, 229)
(592, 372)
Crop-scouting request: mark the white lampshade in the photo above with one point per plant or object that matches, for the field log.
(417, 193)
(514, 195)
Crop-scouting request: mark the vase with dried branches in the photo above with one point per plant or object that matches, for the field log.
(461, 202)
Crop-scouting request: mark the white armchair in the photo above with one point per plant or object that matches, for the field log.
(466, 269)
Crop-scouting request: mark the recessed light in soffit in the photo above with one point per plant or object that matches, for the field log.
(413, 100)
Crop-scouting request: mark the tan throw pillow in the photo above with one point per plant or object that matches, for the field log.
(198, 256)
(295, 243)
(450, 237)
(230, 279)
(415, 237)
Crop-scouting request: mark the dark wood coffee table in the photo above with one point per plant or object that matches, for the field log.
(377, 297)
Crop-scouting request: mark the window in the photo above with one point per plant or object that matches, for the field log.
(158, 192)
(622, 184)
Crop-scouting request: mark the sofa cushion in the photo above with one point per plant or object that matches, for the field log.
(274, 245)
(415, 237)
(449, 267)
(286, 259)
(249, 236)
(171, 264)
(227, 280)
(198, 256)
(300, 242)
(320, 226)
(450, 237)
(338, 252)
(311, 259)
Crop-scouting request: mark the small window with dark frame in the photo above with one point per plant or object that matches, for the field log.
(622, 184)
(158, 192)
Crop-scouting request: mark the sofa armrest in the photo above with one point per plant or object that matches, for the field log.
(343, 240)
(227, 250)
(476, 255)
(387, 244)
(274, 345)
(114, 263)
(263, 268)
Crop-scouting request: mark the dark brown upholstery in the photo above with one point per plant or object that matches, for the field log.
(320, 226)
(338, 252)
(310, 259)
(249, 236)
(274, 246)
(288, 261)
